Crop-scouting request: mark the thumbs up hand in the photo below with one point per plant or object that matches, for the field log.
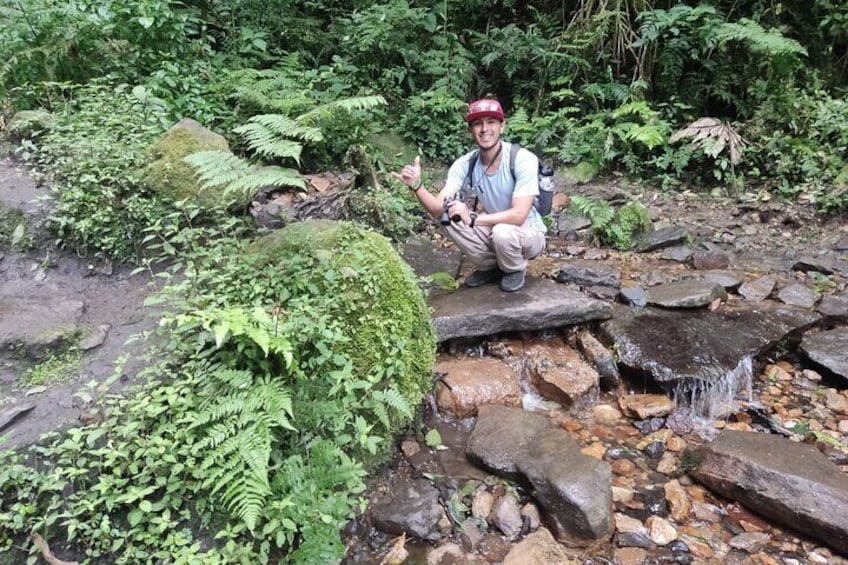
(410, 175)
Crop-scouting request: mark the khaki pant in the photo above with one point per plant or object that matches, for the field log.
(505, 246)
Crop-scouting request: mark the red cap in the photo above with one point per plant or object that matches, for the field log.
(484, 108)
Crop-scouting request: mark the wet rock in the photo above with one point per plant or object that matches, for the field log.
(493, 548)
(815, 264)
(560, 374)
(710, 260)
(481, 504)
(506, 516)
(471, 382)
(487, 310)
(573, 489)
(660, 530)
(798, 295)
(650, 425)
(688, 293)
(829, 349)
(678, 253)
(601, 358)
(471, 533)
(655, 449)
(606, 414)
(645, 406)
(530, 513)
(663, 237)
(730, 280)
(451, 554)
(678, 501)
(427, 259)
(633, 296)
(539, 548)
(791, 483)
(411, 507)
(630, 556)
(588, 273)
(11, 414)
(673, 345)
(750, 542)
(758, 289)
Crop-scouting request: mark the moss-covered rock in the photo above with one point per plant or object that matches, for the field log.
(28, 124)
(15, 229)
(171, 178)
(368, 287)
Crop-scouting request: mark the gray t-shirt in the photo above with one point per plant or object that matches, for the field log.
(496, 189)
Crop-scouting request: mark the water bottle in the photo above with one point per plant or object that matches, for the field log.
(546, 190)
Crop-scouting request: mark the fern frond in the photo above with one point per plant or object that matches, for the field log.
(599, 212)
(771, 42)
(217, 168)
(395, 399)
(284, 126)
(345, 105)
(713, 136)
(245, 187)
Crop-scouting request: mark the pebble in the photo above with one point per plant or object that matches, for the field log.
(660, 530)
(481, 504)
(506, 516)
(751, 542)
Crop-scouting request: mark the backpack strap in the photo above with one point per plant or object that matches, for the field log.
(513, 151)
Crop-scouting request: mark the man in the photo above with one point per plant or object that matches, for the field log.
(508, 232)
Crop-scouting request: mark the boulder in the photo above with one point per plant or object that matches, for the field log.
(791, 483)
(173, 179)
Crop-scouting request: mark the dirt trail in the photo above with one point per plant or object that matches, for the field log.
(47, 292)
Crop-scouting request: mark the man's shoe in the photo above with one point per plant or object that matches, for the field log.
(481, 277)
(512, 281)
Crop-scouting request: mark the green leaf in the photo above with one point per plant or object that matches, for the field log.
(145, 506)
(18, 234)
(433, 438)
(145, 21)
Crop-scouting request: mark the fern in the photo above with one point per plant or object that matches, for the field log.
(712, 136)
(771, 42)
(616, 228)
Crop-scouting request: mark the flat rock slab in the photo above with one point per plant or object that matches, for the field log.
(792, 483)
(35, 320)
(700, 345)
(487, 310)
(829, 349)
(427, 259)
(688, 293)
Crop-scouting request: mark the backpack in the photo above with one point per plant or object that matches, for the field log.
(541, 203)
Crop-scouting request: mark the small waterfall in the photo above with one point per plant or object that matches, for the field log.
(706, 400)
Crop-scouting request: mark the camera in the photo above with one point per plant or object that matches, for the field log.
(445, 218)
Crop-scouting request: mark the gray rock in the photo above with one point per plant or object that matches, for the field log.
(10, 415)
(688, 293)
(589, 273)
(601, 358)
(37, 322)
(834, 307)
(570, 222)
(815, 264)
(730, 280)
(663, 237)
(506, 516)
(792, 483)
(829, 349)
(710, 260)
(633, 296)
(798, 295)
(411, 507)
(486, 310)
(673, 345)
(678, 253)
(573, 489)
(427, 259)
(759, 289)
(95, 338)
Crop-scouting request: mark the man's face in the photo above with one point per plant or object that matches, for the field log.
(486, 131)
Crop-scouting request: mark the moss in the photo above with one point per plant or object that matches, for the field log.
(171, 178)
(375, 295)
(28, 124)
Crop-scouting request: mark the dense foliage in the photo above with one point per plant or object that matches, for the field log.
(291, 374)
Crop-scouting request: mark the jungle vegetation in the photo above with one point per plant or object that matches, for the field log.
(742, 96)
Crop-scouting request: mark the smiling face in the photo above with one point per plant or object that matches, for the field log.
(486, 131)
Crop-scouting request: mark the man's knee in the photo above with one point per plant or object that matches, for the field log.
(505, 234)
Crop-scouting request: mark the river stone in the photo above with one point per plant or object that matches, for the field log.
(601, 358)
(730, 280)
(539, 548)
(427, 259)
(633, 296)
(822, 265)
(486, 310)
(829, 349)
(687, 293)
(710, 260)
(834, 306)
(506, 516)
(675, 345)
(560, 374)
(644, 406)
(758, 289)
(663, 237)
(11, 414)
(792, 483)
(412, 507)
(470, 382)
(589, 273)
(678, 253)
(574, 490)
(798, 295)
(37, 323)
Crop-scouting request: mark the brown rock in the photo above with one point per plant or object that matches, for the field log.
(644, 406)
(471, 382)
(539, 548)
(623, 467)
(678, 501)
(660, 530)
(561, 374)
(630, 556)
